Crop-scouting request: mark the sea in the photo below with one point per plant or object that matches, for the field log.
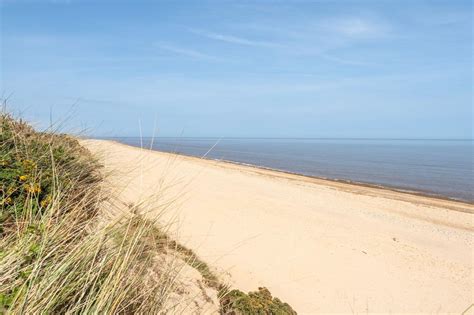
(442, 168)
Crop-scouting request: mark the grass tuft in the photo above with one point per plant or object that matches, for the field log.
(259, 302)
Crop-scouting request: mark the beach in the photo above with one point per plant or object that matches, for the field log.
(323, 246)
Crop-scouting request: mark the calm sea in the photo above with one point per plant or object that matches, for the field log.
(437, 167)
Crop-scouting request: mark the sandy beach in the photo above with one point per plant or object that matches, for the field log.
(322, 246)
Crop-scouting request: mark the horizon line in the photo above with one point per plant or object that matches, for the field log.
(287, 138)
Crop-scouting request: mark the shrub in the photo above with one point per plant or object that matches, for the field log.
(259, 302)
(35, 167)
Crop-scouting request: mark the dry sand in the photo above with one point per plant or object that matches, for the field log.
(322, 246)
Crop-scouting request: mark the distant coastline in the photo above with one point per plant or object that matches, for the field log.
(293, 138)
(420, 193)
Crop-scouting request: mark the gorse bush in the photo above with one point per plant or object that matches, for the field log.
(55, 256)
(35, 167)
(259, 302)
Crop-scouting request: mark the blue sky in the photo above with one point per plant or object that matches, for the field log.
(396, 69)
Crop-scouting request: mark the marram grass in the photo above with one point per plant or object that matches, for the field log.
(57, 255)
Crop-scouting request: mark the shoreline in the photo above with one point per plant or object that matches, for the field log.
(398, 189)
(424, 197)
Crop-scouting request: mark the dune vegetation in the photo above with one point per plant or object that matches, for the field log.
(60, 253)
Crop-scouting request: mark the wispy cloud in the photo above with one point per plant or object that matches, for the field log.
(234, 39)
(187, 52)
(354, 27)
(36, 39)
(350, 28)
(90, 100)
(347, 61)
(319, 38)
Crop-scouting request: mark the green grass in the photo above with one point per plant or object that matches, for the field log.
(259, 302)
(37, 167)
(55, 255)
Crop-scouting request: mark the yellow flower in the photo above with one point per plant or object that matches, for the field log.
(46, 201)
(23, 178)
(7, 201)
(33, 188)
(29, 164)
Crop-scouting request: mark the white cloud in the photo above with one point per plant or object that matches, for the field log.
(187, 52)
(234, 39)
(354, 27)
(347, 61)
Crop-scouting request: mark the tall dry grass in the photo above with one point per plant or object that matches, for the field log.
(57, 255)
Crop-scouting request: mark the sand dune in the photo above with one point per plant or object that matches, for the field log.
(321, 246)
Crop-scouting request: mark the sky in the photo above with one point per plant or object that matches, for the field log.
(357, 69)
